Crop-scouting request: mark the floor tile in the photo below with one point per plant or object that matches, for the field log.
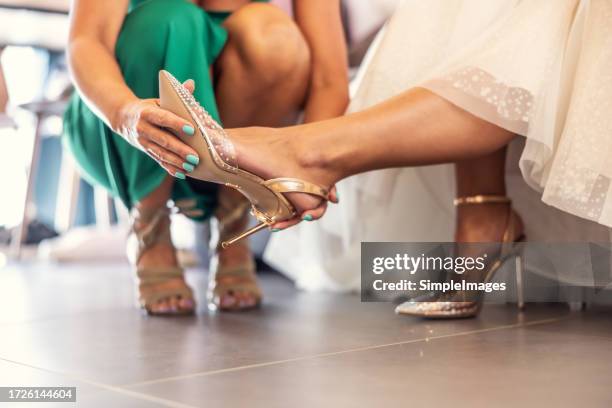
(512, 367)
(81, 320)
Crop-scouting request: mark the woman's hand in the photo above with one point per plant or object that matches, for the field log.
(152, 129)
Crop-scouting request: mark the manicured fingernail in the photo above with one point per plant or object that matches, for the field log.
(193, 159)
(189, 130)
(188, 167)
(179, 175)
(307, 217)
(275, 229)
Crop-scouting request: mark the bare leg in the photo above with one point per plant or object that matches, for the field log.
(160, 254)
(413, 129)
(481, 176)
(261, 79)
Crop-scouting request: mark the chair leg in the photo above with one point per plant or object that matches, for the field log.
(67, 195)
(20, 233)
(103, 207)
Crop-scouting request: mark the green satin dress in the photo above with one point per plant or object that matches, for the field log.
(174, 35)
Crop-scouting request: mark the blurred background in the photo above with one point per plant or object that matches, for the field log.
(47, 210)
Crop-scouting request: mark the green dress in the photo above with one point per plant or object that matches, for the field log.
(174, 35)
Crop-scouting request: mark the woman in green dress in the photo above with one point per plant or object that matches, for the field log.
(253, 66)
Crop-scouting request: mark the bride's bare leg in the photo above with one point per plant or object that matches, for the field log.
(482, 176)
(415, 128)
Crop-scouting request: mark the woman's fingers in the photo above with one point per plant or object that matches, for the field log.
(167, 155)
(169, 142)
(309, 215)
(169, 161)
(333, 195)
(316, 213)
(189, 85)
(168, 120)
(286, 224)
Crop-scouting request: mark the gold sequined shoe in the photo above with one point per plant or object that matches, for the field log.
(232, 284)
(458, 304)
(218, 161)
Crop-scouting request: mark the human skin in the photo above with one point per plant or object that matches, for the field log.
(270, 68)
(415, 128)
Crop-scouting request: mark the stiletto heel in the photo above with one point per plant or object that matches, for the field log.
(218, 162)
(454, 304)
(245, 234)
(232, 286)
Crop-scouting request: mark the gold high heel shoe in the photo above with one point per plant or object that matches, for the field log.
(218, 161)
(457, 304)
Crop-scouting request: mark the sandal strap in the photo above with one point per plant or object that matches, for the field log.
(148, 227)
(154, 275)
(188, 207)
(293, 185)
(509, 233)
(240, 277)
(482, 199)
(148, 279)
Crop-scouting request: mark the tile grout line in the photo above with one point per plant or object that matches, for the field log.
(108, 387)
(336, 353)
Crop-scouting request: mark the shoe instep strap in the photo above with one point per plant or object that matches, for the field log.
(482, 199)
(149, 227)
(292, 185)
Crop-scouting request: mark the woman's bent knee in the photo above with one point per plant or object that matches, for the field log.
(269, 42)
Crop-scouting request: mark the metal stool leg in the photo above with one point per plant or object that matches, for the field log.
(67, 195)
(19, 236)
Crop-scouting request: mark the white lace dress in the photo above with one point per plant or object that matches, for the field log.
(539, 68)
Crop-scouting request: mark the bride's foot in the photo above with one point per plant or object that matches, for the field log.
(272, 153)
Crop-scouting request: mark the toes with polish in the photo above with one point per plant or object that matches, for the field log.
(187, 304)
(227, 301)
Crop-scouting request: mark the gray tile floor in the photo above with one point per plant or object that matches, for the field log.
(76, 326)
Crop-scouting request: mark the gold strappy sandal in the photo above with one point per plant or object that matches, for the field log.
(234, 282)
(150, 227)
(218, 161)
(453, 305)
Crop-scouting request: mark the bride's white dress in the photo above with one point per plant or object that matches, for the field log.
(540, 68)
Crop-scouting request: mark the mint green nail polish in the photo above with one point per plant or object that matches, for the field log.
(189, 130)
(193, 159)
(179, 175)
(275, 229)
(307, 217)
(188, 167)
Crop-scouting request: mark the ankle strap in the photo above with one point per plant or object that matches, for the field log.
(482, 199)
